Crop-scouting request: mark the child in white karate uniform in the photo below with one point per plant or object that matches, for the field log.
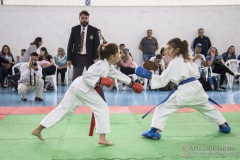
(189, 94)
(82, 92)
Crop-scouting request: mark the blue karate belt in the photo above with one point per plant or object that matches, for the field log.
(181, 83)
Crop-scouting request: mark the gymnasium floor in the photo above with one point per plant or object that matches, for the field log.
(187, 134)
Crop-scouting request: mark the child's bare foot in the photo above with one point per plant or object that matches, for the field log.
(38, 134)
(105, 142)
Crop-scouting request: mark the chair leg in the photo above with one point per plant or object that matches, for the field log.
(116, 83)
(66, 78)
(54, 83)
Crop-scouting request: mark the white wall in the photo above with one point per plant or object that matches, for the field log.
(20, 25)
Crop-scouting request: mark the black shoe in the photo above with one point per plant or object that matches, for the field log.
(24, 99)
(38, 99)
(222, 87)
(114, 89)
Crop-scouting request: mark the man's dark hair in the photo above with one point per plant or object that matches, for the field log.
(23, 50)
(84, 12)
(34, 54)
(159, 56)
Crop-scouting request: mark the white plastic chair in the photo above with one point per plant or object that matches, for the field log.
(16, 66)
(66, 75)
(233, 65)
(53, 78)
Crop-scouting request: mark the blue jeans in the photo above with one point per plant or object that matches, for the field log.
(147, 56)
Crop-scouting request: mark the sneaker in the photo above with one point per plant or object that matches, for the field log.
(220, 90)
(113, 89)
(222, 87)
(24, 99)
(3, 85)
(38, 99)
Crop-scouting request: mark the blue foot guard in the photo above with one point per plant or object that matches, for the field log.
(152, 134)
(226, 129)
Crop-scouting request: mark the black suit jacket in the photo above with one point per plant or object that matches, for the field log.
(92, 43)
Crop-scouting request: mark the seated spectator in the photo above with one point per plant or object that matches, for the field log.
(230, 54)
(101, 38)
(200, 60)
(61, 62)
(159, 63)
(3, 70)
(31, 78)
(166, 57)
(6, 52)
(216, 62)
(18, 59)
(126, 64)
(122, 46)
(47, 63)
(23, 51)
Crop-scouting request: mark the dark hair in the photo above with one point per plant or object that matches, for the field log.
(162, 51)
(23, 50)
(84, 12)
(182, 45)
(121, 45)
(233, 51)
(106, 50)
(9, 51)
(36, 41)
(159, 56)
(45, 50)
(34, 54)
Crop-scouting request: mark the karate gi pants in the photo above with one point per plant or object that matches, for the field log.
(72, 99)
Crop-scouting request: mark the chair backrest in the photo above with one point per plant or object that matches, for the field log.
(233, 65)
(16, 66)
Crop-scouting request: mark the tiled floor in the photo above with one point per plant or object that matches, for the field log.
(117, 98)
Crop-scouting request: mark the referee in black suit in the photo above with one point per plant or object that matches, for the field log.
(84, 56)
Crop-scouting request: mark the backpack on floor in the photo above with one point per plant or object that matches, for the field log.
(13, 81)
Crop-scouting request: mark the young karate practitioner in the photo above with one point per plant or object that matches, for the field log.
(82, 92)
(189, 94)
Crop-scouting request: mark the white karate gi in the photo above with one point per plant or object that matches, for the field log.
(189, 95)
(82, 92)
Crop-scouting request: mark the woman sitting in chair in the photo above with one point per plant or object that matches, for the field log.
(126, 64)
(47, 63)
(61, 62)
(216, 62)
(6, 53)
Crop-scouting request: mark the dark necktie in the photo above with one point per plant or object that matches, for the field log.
(81, 40)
